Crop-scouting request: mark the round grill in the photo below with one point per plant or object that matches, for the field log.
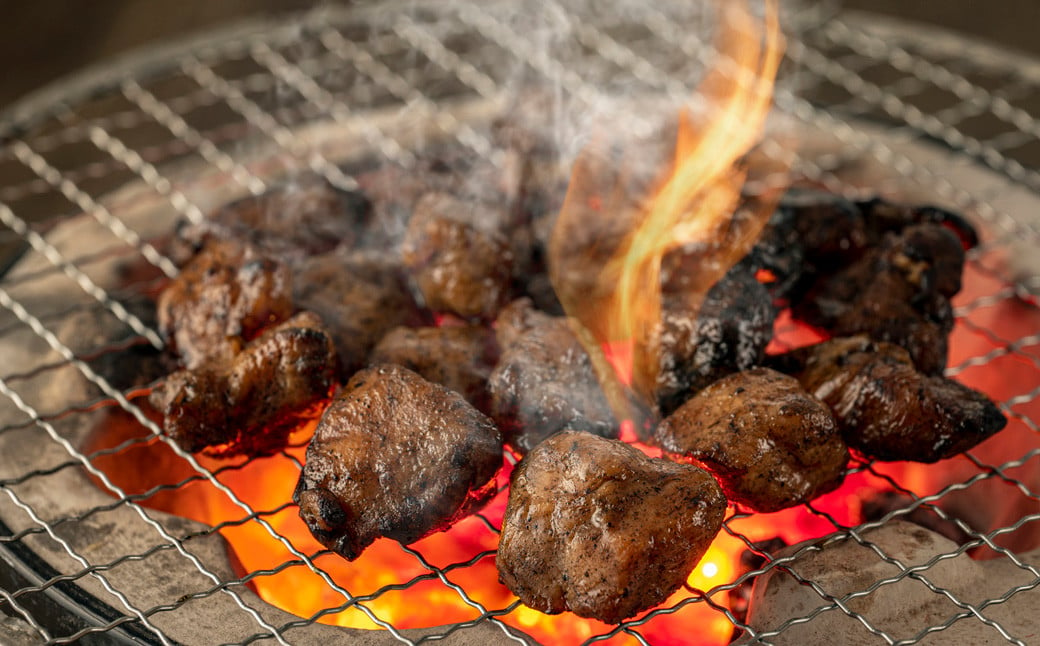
(97, 170)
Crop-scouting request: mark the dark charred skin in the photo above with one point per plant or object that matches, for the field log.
(544, 383)
(770, 443)
(250, 405)
(222, 299)
(596, 527)
(395, 456)
(887, 409)
(458, 357)
(729, 333)
(361, 295)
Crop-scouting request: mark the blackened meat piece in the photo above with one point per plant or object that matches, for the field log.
(361, 296)
(883, 216)
(544, 383)
(458, 357)
(302, 218)
(395, 456)
(222, 299)
(729, 333)
(459, 258)
(897, 292)
(885, 407)
(252, 403)
(596, 527)
(771, 444)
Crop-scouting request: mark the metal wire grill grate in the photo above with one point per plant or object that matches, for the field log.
(95, 175)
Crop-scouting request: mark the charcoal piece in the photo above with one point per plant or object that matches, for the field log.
(458, 357)
(885, 407)
(770, 443)
(544, 383)
(883, 216)
(882, 503)
(458, 256)
(222, 299)
(729, 333)
(361, 295)
(252, 403)
(596, 527)
(395, 456)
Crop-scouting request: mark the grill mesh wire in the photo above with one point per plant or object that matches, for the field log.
(270, 83)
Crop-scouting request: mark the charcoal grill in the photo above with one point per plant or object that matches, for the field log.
(98, 168)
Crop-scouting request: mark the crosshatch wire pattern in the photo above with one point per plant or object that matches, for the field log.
(196, 107)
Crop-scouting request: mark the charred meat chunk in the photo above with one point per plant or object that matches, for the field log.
(305, 217)
(361, 296)
(252, 403)
(596, 527)
(885, 407)
(459, 263)
(729, 333)
(897, 292)
(222, 299)
(544, 383)
(771, 444)
(458, 357)
(395, 456)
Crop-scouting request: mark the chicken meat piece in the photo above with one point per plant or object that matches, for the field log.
(252, 403)
(898, 292)
(545, 382)
(361, 295)
(395, 456)
(458, 357)
(596, 527)
(459, 258)
(771, 444)
(225, 296)
(885, 407)
(729, 333)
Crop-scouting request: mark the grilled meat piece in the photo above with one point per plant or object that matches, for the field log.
(596, 527)
(729, 333)
(544, 383)
(305, 217)
(770, 443)
(459, 259)
(222, 299)
(515, 319)
(458, 357)
(897, 292)
(395, 456)
(250, 404)
(885, 407)
(361, 296)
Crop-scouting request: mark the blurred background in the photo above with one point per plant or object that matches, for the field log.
(44, 40)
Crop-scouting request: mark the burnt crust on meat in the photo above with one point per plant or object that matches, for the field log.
(770, 443)
(222, 299)
(395, 456)
(885, 407)
(252, 403)
(545, 382)
(596, 527)
(458, 357)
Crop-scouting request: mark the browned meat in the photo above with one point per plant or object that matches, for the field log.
(460, 264)
(361, 296)
(250, 404)
(770, 443)
(897, 292)
(545, 383)
(223, 298)
(395, 456)
(458, 357)
(729, 333)
(885, 407)
(305, 217)
(596, 527)
(517, 318)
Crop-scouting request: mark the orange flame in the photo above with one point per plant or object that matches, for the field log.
(692, 204)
